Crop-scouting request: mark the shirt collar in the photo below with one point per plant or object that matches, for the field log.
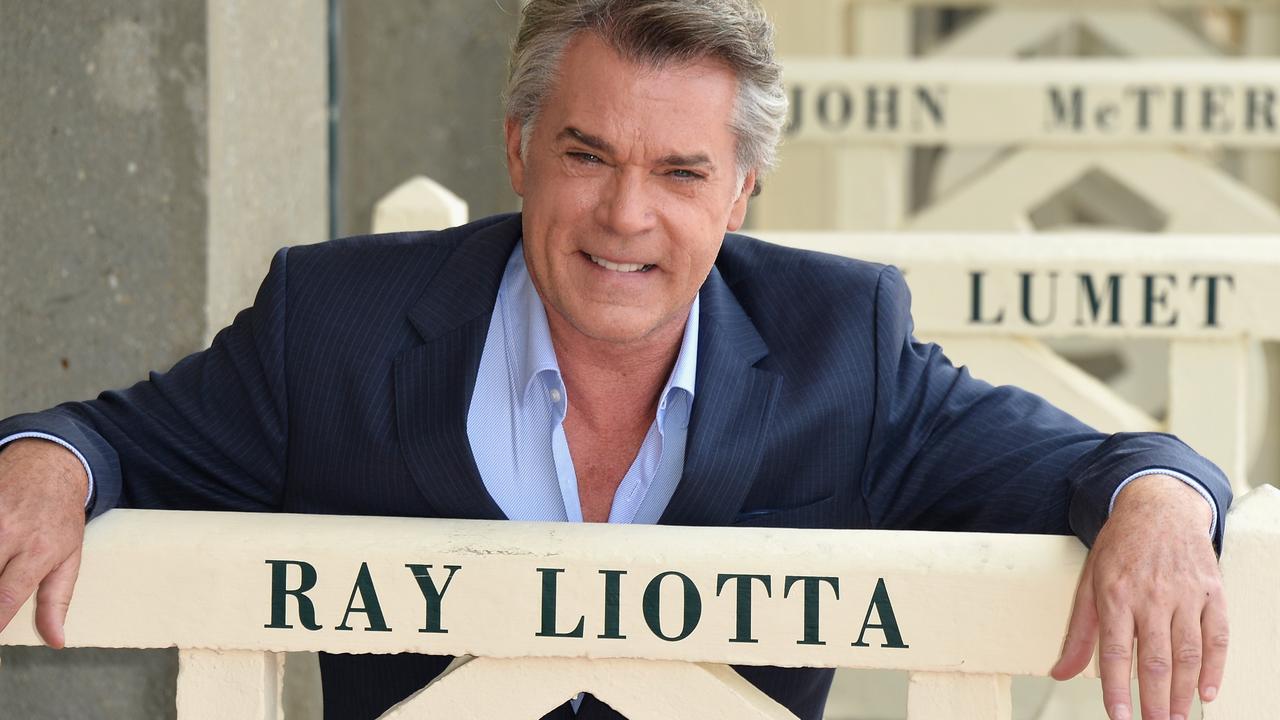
(533, 355)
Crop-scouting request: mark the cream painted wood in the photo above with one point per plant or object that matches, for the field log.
(1169, 4)
(1004, 31)
(1209, 401)
(998, 102)
(870, 184)
(1193, 196)
(638, 689)
(1261, 171)
(1030, 364)
(418, 203)
(1189, 193)
(1017, 31)
(954, 696)
(1262, 39)
(205, 590)
(1146, 33)
(1251, 577)
(1014, 31)
(939, 268)
(210, 586)
(219, 684)
(790, 198)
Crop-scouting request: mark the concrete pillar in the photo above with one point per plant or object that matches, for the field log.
(152, 156)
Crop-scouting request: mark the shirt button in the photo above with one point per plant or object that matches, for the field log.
(555, 395)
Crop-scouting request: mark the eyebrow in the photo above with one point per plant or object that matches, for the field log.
(598, 143)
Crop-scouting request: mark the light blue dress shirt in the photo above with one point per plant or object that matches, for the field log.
(516, 419)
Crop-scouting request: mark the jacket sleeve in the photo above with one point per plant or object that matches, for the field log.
(209, 434)
(950, 452)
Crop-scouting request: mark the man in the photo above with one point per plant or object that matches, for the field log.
(610, 355)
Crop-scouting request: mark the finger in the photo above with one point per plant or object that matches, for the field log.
(1155, 663)
(54, 598)
(1213, 626)
(17, 582)
(1187, 653)
(1115, 660)
(1082, 632)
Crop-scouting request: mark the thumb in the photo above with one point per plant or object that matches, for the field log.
(1082, 633)
(54, 598)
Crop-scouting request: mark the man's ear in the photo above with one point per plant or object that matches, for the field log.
(515, 163)
(738, 213)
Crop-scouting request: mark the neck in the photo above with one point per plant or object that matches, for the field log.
(613, 385)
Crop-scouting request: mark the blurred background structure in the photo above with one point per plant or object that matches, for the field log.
(154, 154)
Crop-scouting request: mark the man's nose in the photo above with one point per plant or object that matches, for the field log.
(625, 206)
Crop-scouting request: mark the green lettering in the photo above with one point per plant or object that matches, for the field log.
(1211, 295)
(279, 578)
(432, 596)
(549, 607)
(884, 613)
(1026, 299)
(1089, 294)
(1154, 297)
(975, 301)
(369, 603)
(612, 604)
(812, 587)
(743, 601)
(1067, 111)
(652, 606)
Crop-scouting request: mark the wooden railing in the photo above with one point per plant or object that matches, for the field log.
(645, 617)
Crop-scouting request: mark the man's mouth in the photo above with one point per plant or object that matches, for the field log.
(619, 267)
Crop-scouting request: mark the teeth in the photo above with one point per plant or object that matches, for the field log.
(618, 267)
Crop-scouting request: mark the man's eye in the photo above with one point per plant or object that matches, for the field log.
(586, 158)
(688, 175)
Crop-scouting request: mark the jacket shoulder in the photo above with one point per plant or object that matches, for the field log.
(375, 249)
(758, 266)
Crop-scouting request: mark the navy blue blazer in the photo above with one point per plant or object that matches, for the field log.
(345, 389)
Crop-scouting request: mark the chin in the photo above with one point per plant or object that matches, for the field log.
(618, 329)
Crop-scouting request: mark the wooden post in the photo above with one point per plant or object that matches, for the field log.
(217, 684)
(1252, 579)
(957, 696)
(1208, 402)
(640, 689)
(418, 203)
(871, 183)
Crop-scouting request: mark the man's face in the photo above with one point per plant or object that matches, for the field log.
(629, 185)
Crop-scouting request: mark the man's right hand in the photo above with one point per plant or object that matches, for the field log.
(42, 495)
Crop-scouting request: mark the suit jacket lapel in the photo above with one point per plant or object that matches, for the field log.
(733, 401)
(434, 381)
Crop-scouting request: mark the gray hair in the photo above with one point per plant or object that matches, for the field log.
(654, 33)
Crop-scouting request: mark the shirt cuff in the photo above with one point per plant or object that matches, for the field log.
(1213, 505)
(42, 436)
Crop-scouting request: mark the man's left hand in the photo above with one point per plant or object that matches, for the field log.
(1151, 576)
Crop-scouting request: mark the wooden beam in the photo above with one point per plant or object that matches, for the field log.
(1052, 102)
(1095, 284)
(216, 684)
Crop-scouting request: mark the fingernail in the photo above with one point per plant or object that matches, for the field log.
(1120, 712)
(1177, 717)
(1209, 694)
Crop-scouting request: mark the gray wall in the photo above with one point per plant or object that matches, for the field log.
(102, 212)
(152, 154)
(420, 82)
(102, 237)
